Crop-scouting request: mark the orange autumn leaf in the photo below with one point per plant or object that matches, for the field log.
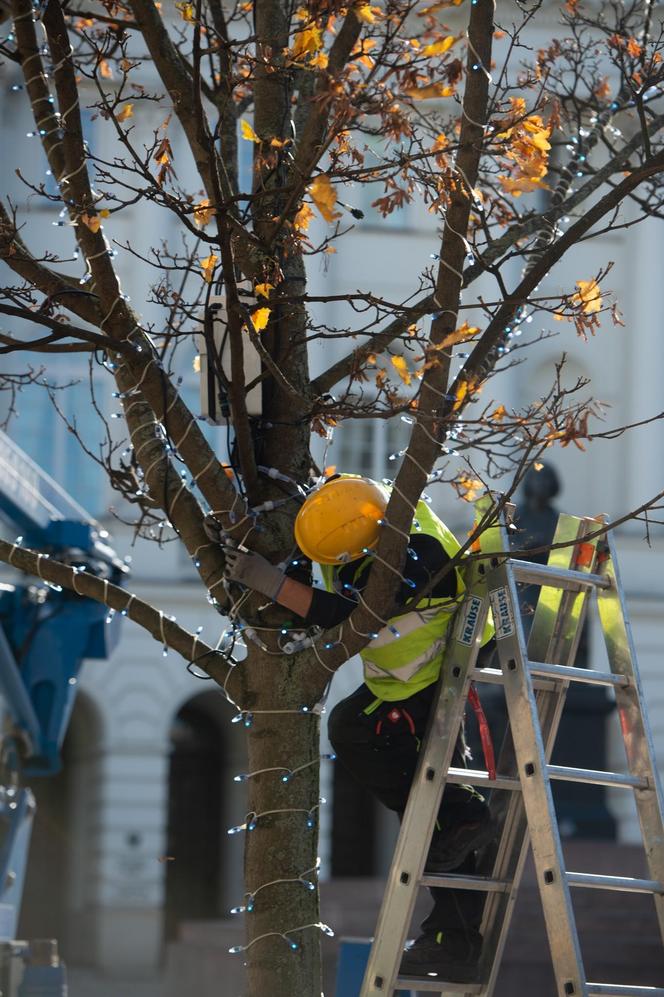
(324, 197)
(633, 48)
(589, 297)
(208, 267)
(462, 394)
(126, 112)
(528, 146)
(91, 221)
(203, 212)
(105, 69)
(303, 218)
(429, 92)
(260, 318)
(439, 47)
(498, 414)
(248, 132)
(308, 41)
(365, 12)
(163, 156)
(460, 335)
(401, 368)
(187, 11)
(440, 5)
(521, 185)
(318, 61)
(264, 290)
(468, 488)
(603, 89)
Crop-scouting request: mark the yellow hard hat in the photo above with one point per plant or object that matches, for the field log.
(340, 519)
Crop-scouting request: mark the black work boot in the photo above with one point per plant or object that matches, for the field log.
(453, 843)
(451, 956)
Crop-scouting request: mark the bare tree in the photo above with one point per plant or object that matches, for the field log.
(463, 129)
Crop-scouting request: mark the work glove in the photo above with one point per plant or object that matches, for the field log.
(254, 571)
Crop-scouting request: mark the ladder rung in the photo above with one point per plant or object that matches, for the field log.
(494, 676)
(576, 674)
(484, 884)
(595, 777)
(623, 884)
(433, 985)
(566, 578)
(477, 777)
(619, 990)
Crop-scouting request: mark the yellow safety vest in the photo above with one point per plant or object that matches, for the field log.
(406, 654)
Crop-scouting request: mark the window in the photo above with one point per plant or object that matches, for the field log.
(364, 446)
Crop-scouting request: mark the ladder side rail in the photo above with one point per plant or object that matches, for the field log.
(634, 725)
(530, 749)
(568, 607)
(422, 808)
(512, 852)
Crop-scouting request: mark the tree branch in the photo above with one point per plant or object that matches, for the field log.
(83, 583)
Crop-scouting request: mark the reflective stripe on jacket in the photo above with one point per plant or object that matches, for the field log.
(406, 655)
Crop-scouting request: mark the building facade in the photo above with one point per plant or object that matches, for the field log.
(140, 811)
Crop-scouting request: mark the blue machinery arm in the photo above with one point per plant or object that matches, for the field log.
(45, 635)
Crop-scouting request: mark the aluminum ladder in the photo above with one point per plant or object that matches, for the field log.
(535, 672)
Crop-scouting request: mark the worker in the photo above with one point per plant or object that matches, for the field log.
(376, 732)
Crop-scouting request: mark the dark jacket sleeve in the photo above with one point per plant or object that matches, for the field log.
(426, 557)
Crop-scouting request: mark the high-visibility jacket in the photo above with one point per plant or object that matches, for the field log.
(406, 655)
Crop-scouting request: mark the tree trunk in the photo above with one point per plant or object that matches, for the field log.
(281, 880)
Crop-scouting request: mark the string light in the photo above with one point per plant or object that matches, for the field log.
(288, 773)
(252, 818)
(292, 944)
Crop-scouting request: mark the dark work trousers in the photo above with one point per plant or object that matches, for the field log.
(380, 749)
